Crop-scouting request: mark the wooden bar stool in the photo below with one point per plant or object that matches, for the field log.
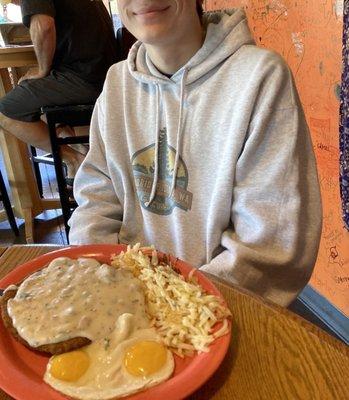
(7, 205)
(72, 115)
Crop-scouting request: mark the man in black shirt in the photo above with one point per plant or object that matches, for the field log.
(74, 44)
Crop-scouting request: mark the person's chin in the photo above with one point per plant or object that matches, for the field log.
(154, 36)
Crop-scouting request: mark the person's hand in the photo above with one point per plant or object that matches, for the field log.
(32, 73)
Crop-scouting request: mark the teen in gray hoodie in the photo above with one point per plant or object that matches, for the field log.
(213, 164)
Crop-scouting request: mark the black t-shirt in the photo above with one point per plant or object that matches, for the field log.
(85, 40)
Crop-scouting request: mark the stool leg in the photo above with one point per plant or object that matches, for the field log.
(28, 223)
(59, 169)
(37, 170)
(8, 207)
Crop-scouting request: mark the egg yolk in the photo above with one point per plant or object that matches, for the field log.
(145, 358)
(70, 366)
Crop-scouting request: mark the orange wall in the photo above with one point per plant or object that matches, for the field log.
(308, 34)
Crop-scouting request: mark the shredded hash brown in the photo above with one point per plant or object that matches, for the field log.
(181, 311)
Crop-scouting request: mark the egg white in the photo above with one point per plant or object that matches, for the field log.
(106, 377)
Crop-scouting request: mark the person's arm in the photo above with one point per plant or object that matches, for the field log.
(43, 36)
(98, 217)
(276, 214)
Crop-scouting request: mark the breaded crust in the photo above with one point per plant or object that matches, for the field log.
(54, 348)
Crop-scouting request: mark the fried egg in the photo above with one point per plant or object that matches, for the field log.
(125, 362)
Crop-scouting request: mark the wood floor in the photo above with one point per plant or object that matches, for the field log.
(48, 226)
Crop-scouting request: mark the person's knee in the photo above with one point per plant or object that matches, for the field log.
(6, 122)
(12, 125)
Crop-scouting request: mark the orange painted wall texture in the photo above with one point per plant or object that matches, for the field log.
(308, 34)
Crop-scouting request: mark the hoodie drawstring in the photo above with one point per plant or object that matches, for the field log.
(179, 139)
(179, 130)
(156, 161)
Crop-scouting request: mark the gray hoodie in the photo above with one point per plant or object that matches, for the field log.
(214, 165)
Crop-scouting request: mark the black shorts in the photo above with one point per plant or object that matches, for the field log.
(24, 102)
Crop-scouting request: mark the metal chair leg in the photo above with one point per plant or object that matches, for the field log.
(7, 205)
(59, 169)
(37, 170)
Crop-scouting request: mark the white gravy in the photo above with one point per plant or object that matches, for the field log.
(75, 298)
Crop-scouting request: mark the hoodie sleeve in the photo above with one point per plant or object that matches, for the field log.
(276, 215)
(97, 219)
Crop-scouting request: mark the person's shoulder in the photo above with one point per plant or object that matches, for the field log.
(116, 69)
(30, 8)
(117, 74)
(264, 58)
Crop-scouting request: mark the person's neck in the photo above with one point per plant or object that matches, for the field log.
(169, 58)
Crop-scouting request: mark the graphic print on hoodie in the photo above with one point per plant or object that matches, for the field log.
(143, 164)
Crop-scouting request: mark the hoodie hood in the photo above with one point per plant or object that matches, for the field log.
(226, 32)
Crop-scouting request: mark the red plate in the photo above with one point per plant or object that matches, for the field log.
(21, 370)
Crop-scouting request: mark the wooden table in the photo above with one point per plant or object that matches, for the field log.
(25, 195)
(273, 355)
(17, 56)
